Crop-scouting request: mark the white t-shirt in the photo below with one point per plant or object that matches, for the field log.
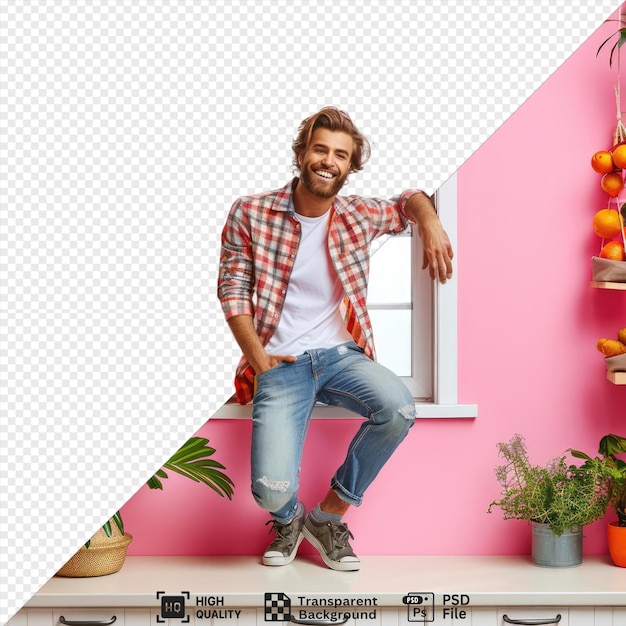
(311, 317)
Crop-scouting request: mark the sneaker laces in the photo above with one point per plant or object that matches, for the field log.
(341, 534)
(282, 530)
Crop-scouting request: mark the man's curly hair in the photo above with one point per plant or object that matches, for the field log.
(333, 119)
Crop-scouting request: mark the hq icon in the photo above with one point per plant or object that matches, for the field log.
(172, 607)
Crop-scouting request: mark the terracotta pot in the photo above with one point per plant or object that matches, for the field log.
(617, 543)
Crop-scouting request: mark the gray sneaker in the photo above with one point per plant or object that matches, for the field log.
(284, 548)
(330, 539)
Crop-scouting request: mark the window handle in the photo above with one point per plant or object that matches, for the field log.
(83, 622)
(532, 622)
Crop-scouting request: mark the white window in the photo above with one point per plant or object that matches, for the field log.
(414, 321)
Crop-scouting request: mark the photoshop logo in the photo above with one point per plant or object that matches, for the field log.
(172, 607)
(420, 606)
(277, 607)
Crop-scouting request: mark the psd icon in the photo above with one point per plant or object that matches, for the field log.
(420, 606)
(277, 607)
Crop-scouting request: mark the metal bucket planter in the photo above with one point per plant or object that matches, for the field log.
(550, 550)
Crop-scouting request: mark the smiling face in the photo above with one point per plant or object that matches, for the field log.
(325, 164)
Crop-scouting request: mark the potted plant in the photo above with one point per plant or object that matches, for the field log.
(558, 499)
(610, 446)
(105, 552)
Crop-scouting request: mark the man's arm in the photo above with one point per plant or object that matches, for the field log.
(243, 330)
(438, 251)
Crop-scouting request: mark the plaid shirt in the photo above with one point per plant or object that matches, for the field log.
(259, 245)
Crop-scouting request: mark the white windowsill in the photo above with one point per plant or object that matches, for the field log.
(425, 410)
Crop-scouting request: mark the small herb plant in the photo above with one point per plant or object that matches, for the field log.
(610, 446)
(558, 494)
(192, 460)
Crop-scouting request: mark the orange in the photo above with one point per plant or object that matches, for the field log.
(619, 155)
(612, 183)
(602, 162)
(607, 223)
(613, 250)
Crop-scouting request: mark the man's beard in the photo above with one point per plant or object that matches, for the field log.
(317, 187)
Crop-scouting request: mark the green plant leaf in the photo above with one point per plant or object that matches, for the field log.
(107, 528)
(579, 455)
(155, 483)
(612, 444)
(192, 461)
(621, 40)
(117, 518)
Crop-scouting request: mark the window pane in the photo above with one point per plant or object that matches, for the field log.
(400, 306)
(392, 336)
(390, 270)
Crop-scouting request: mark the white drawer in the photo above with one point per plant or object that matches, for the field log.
(386, 616)
(79, 617)
(89, 616)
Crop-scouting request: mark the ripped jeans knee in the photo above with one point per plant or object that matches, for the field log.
(276, 496)
(408, 411)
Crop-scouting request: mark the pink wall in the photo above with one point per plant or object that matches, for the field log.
(528, 324)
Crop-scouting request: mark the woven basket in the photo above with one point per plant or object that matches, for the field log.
(105, 555)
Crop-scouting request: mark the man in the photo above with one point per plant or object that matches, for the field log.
(292, 284)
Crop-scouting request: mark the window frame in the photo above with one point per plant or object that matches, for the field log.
(444, 402)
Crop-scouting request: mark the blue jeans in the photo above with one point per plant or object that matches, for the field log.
(283, 403)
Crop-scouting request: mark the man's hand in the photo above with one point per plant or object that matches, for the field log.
(242, 328)
(273, 360)
(438, 251)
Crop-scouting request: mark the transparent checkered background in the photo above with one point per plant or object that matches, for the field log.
(128, 128)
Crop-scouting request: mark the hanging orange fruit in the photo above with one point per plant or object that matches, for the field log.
(602, 162)
(618, 154)
(613, 250)
(612, 183)
(607, 223)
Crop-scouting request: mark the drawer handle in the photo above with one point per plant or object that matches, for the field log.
(316, 622)
(532, 622)
(82, 622)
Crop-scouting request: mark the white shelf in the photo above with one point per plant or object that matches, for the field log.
(608, 285)
(243, 581)
(617, 378)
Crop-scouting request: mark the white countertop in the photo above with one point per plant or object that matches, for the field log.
(243, 581)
